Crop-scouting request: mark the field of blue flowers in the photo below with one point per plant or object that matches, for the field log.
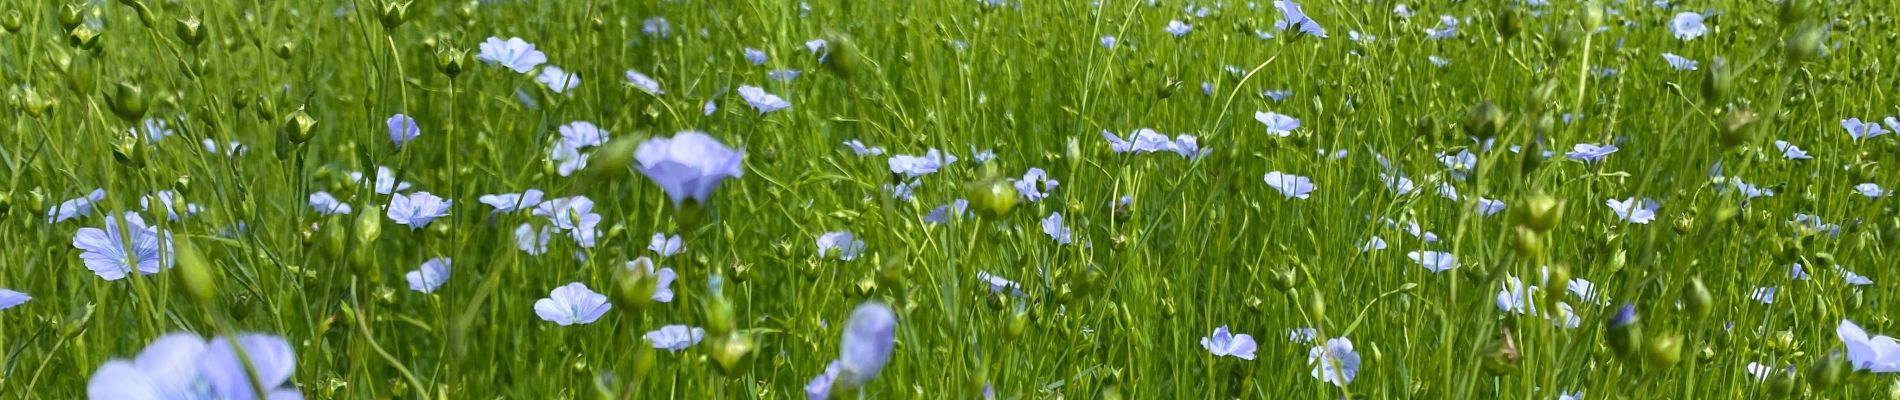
(949, 199)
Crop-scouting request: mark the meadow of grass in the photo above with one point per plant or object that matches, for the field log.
(1007, 199)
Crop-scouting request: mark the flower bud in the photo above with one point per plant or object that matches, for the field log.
(1665, 350)
(732, 353)
(368, 226)
(1484, 120)
(127, 101)
(394, 14)
(129, 151)
(1781, 384)
(1168, 88)
(299, 126)
(1282, 279)
(1018, 322)
(1806, 43)
(1696, 299)
(1528, 243)
(451, 62)
(284, 48)
(194, 272)
(1317, 306)
(841, 55)
(1566, 40)
(719, 317)
(83, 38)
(1541, 212)
(642, 359)
(71, 15)
(633, 287)
(1592, 15)
(190, 30)
(992, 197)
(1625, 332)
(12, 21)
(1510, 21)
(1828, 372)
(1501, 356)
(1718, 82)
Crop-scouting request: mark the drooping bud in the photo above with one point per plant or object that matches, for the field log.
(83, 38)
(12, 21)
(71, 15)
(1282, 279)
(1168, 88)
(368, 226)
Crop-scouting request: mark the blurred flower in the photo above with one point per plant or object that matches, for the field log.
(1108, 42)
(1870, 190)
(915, 166)
(1440, 62)
(153, 130)
(1862, 130)
(943, 213)
(710, 107)
(1631, 211)
(1277, 124)
(105, 251)
(1489, 207)
(75, 208)
(644, 83)
(569, 156)
(656, 27)
(819, 388)
(512, 202)
(533, 241)
(782, 75)
(1178, 28)
(819, 47)
(662, 279)
(982, 156)
(417, 209)
(402, 129)
(1375, 243)
(1302, 335)
(1590, 153)
(385, 181)
(557, 79)
(583, 134)
(1292, 17)
(675, 337)
(1276, 96)
(1789, 151)
(430, 276)
(689, 165)
(998, 284)
(754, 56)
(1765, 294)
(572, 304)
(1028, 185)
(1399, 184)
(665, 245)
(1687, 26)
(10, 299)
(186, 366)
(868, 338)
(1335, 363)
(848, 246)
(568, 213)
(1053, 227)
(1291, 186)
(859, 148)
(760, 100)
(1433, 260)
(230, 149)
(514, 54)
(1878, 354)
(1223, 343)
(1447, 28)
(1679, 63)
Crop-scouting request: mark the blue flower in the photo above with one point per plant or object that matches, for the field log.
(1291, 186)
(1108, 42)
(662, 278)
(982, 156)
(104, 250)
(820, 48)
(186, 366)
(557, 79)
(689, 165)
(1590, 153)
(533, 241)
(10, 299)
(1434, 260)
(998, 284)
(710, 107)
(1878, 354)
(782, 75)
(848, 246)
(569, 156)
(1053, 227)
(1862, 130)
(754, 56)
(1437, 61)
(1871, 190)
(760, 100)
(1028, 185)
(568, 213)
(417, 209)
(1149, 141)
(1375, 243)
(675, 337)
(385, 181)
(402, 129)
(1679, 63)
(1688, 26)
(819, 388)
(1448, 27)
(583, 134)
(1223, 343)
(1292, 17)
(665, 245)
(1277, 96)
(1277, 124)
(153, 130)
(656, 27)
(572, 304)
(1178, 28)
(230, 149)
(860, 149)
(1631, 211)
(514, 54)
(868, 338)
(1115, 143)
(1489, 207)
(1335, 362)
(430, 276)
(644, 83)
(512, 202)
(916, 166)
(1789, 151)
(943, 213)
(75, 208)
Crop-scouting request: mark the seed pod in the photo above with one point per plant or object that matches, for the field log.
(1718, 82)
(1541, 212)
(1510, 21)
(451, 62)
(394, 14)
(83, 38)
(633, 287)
(127, 101)
(299, 127)
(1484, 120)
(732, 353)
(12, 21)
(992, 197)
(71, 15)
(1806, 43)
(190, 30)
(1665, 350)
(1828, 372)
(195, 272)
(284, 48)
(1696, 299)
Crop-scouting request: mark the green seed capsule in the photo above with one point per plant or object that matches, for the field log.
(190, 30)
(1484, 121)
(12, 21)
(395, 14)
(992, 197)
(1696, 299)
(299, 127)
(1664, 350)
(1828, 372)
(71, 15)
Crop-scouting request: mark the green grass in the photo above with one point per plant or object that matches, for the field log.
(1205, 243)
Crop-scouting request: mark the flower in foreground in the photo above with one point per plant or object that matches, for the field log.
(514, 54)
(868, 338)
(1292, 17)
(675, 337)
(402, 129)
(819, 388)
(417, 209)
(572, 304)
(104, 250)
(1277, 124)
(1879, 354)
(1335, 362)
(430, 276)
(662, 278)
(1224, 343)
(1862, 130)
(1291, 186)
(689, 165)
(10, 298)
(186, 366)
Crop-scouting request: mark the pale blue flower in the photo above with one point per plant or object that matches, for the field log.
(1374, 243)
(690, 165)
(1489, 207)
(1034, 183)
(1629, 210)
(665, 246)
(1765, 294)
(1276, 96)
(1053, 227)
(1178, 28)
(1877, 354)
(943, 213)
(402, 129)
(532, 241)
(1108, 42)
(514, 54)
(1789, 151)
(572, 304)
(710, 107)
(583, 134)
(1224, 343)
(385, 181)
(754, 56)
(568, 213)
(1590, 153)
(1688, 25)
(75, 208)
(656, 27)
(662, 278)
(820, 48)
(1291, 186)
(165, 199)
(819, 388)
(916, 166)
(760, 100)
(869, 336)
(104, 251)
(860, 149)
(417, 209)
(182, 366)
(998, 284)
(644, 83)
(430, 276)
(1277, 124)
(1433, 260)
(152, 129)
(557, 79)
(10, 299)
(847, 246)
(981, 156)
(1871, 190)
(1679, 63)
(782, 75)
(1862, 130)
(1294, 18)
(513, 202)
(675, 337)
(1335, 362)
(1437, 61)
(1447, 28)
